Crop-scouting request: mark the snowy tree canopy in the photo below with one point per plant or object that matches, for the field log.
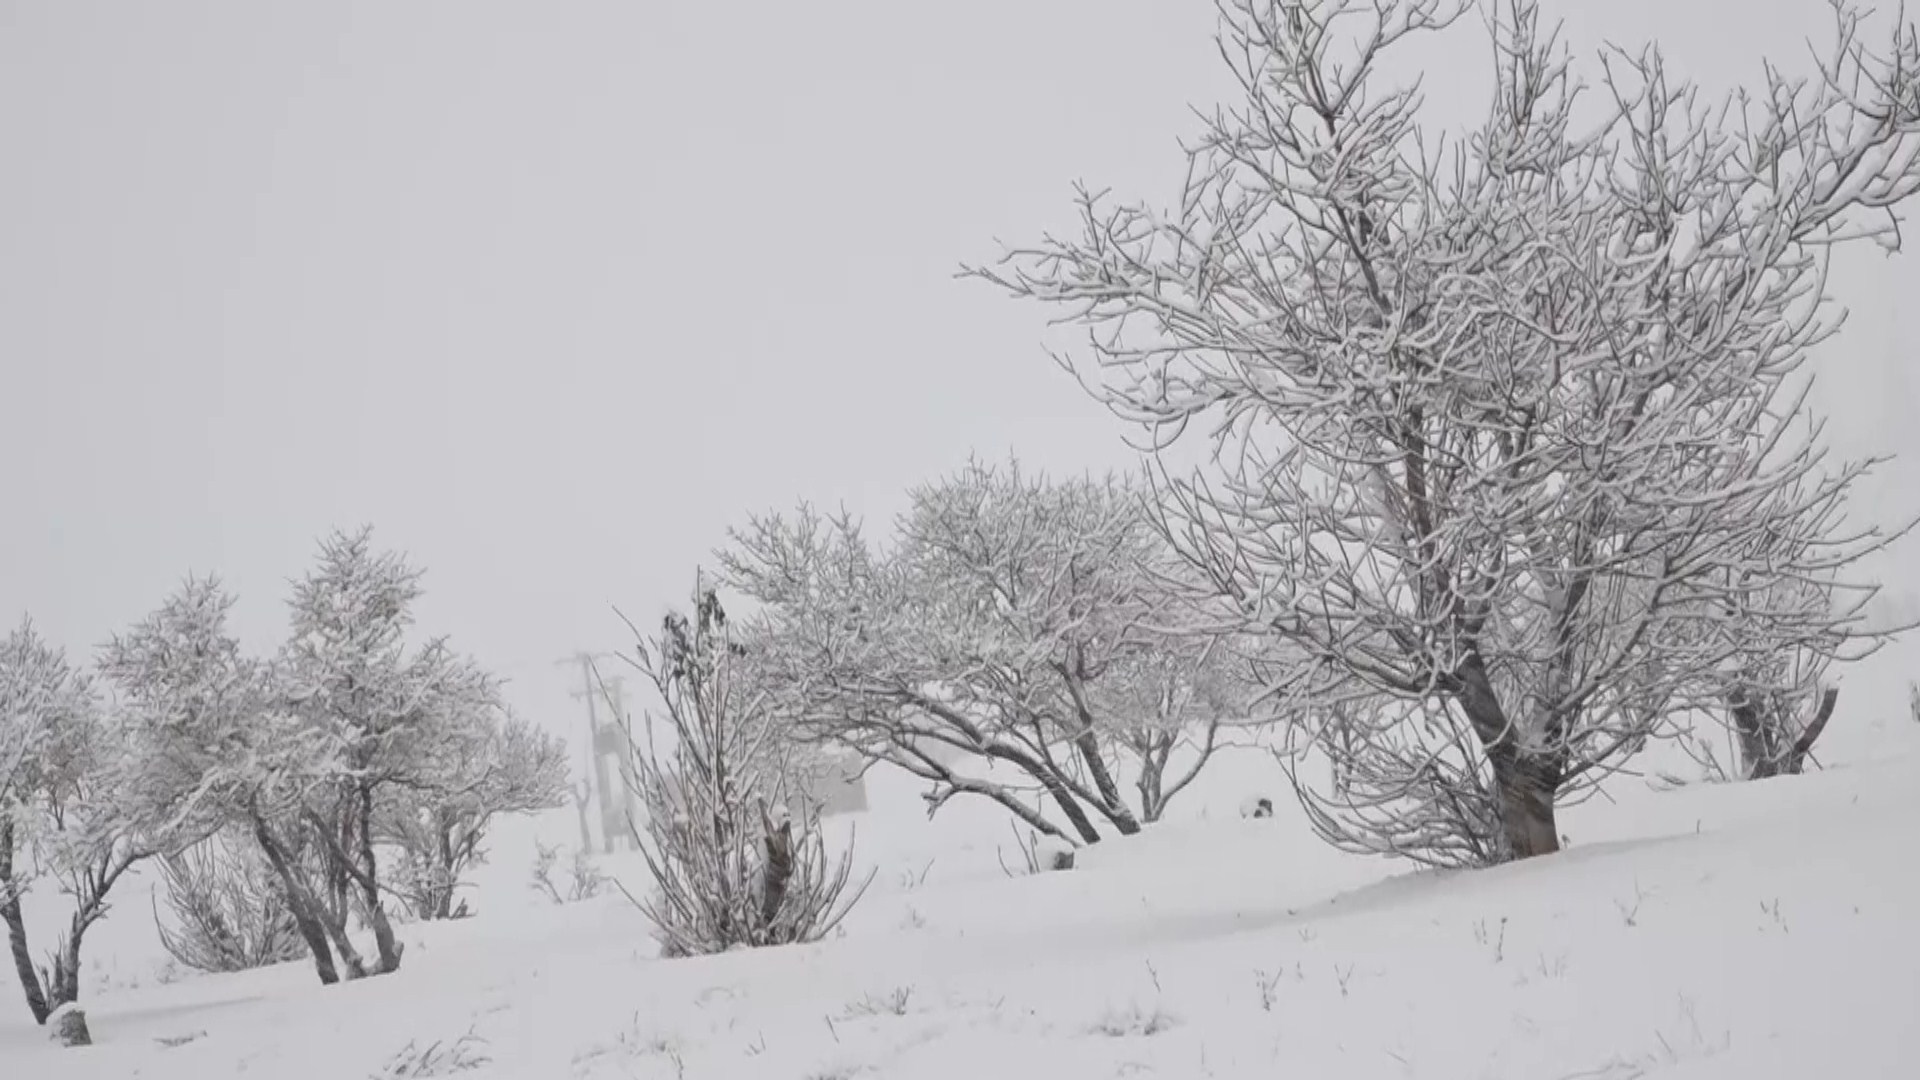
(1510, 429)
(1014, 623)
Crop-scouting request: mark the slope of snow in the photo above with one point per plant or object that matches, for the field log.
(1751, 931)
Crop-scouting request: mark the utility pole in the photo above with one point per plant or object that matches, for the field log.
(603, 740)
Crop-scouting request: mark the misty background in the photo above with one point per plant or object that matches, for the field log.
(551, 294)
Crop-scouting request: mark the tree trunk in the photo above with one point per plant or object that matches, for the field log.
(63, 982)
(776, 874)
(1759, 757)
(300, 903)
(1760, 726)
(1115, 807)
(440, 884)
(17, 930)
(334, 923)
(369, 880)
(1154, 753)
(1525, 787)
(1070, 806)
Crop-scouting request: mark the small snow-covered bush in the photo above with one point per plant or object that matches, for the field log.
(227, 913)
(1134, 1021)
(584, 879)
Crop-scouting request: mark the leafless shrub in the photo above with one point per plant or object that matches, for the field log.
(227, 911)
(584, 878)
(731, 865)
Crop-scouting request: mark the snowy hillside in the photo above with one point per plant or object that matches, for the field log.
(1748, 931)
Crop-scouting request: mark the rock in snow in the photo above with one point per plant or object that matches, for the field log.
(68, 1026)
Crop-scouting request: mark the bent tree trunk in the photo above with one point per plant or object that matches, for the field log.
(367, 875)
(300, 902)
(17, 929)
(1112, 805)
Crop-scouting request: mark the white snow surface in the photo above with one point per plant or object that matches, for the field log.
(1750, 931)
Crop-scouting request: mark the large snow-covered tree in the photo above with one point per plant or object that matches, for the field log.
(1010, 643)
(63, 809)
(47, 711)
(217, 750)
(350, 741)
(391, 715)
(1512, 448)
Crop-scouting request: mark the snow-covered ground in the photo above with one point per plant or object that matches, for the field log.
(1751, 931)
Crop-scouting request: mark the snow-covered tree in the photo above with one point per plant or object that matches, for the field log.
(216, 749)
(47, 712)
(503, 766)
(1511, 438)
(63, 811)
(391, 716)
(1015, 642)
(734, 862)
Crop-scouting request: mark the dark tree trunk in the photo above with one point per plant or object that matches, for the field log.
(17, 930)
(1155, 748)
(776, 875)
(300, 902)
(63, 982)
(442, 874)
(1525, 787)
(334, 923)
(1070, 806)
(1525, 784)
(1114, 807)
(369, 881)
(1761, 728)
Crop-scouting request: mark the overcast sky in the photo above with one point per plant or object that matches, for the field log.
(551, 293)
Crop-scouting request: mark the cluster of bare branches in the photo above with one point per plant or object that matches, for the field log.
(1012, 643)
(734, 861)
(227, 911)
(506, 767)
(1511, 446)
(584, 879)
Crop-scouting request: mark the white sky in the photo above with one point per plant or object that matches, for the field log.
(552, 293)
